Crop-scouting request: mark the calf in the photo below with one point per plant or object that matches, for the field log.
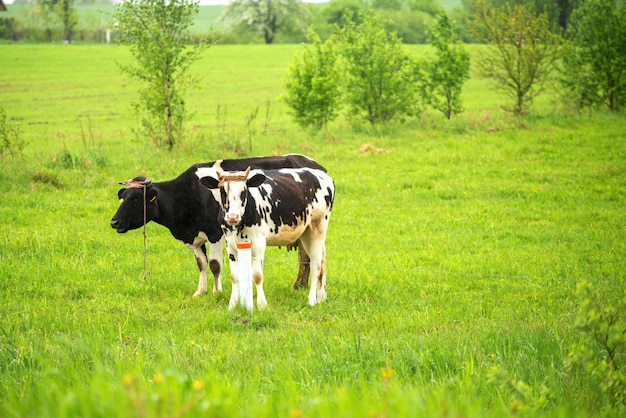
(190, 211)
(274, 207)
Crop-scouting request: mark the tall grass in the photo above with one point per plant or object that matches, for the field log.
(453, 255)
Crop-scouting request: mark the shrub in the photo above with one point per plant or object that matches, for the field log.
(160, 46)
(595, 68)
(313, 84)
(601, 356)
(522, 51)
(447, 73)
(380, 75)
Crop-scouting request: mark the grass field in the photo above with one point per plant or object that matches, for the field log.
(454, 254)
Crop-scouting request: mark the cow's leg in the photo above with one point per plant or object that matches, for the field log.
(315, 247)
(215, 264)
(258, 253)
(200, 252)
(321, 283)
(231, 246)
(303, 267)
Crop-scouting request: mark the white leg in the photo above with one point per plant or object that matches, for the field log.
(234, 294)
(231, 246)
(321, 284)
(202, 265)
(258, 253)
(215, 263)
(315, 268)
(315, 247)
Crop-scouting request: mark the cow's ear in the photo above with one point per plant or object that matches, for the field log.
(256, 180)
(120, 193)
(210, 182)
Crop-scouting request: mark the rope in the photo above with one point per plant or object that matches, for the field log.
(143, 185)
(145, 237)
(231, 177)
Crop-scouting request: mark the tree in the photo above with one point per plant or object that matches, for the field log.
(446, 74)
(313, 84)
(265, 17)
(380, 75)
(387, 4)
(157, 32)
(557, 11)
(64, 10)
(595, 67)
(521, 54)
(335, 12)
(432, 7)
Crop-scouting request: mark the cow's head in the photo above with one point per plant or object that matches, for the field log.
(233, 187)
(130, 214)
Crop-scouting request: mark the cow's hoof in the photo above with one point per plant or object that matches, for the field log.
(199, 292)
(298, 285)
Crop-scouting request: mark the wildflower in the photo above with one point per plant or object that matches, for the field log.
(295, 413)
(386, 373)
(128, 380)
(198, 385)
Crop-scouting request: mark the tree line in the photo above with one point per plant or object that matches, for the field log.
(359, 63)
(269, 21)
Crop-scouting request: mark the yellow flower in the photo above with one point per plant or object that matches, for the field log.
(514, 405)
(386, 373)
(295, 413)
(157, 378)
(128, 380)
(198, 385)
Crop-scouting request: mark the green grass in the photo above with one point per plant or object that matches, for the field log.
(453, 254)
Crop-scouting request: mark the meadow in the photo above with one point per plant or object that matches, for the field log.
(455, 251)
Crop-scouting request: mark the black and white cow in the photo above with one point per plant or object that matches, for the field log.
(274, 207)
(190, 212)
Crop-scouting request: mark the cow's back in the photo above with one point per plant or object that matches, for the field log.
(262, 163)
(271, 163)
(290, 197)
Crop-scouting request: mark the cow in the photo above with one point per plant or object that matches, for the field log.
(275, 208)
(190, 211)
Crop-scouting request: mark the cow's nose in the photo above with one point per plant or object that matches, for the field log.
(232, 218)
(115, 223)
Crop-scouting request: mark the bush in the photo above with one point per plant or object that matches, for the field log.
(380, 75)
(313, 84)
(446, 74)
(594, 70)
(522, 51)
(601, 356)
(162, 61)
